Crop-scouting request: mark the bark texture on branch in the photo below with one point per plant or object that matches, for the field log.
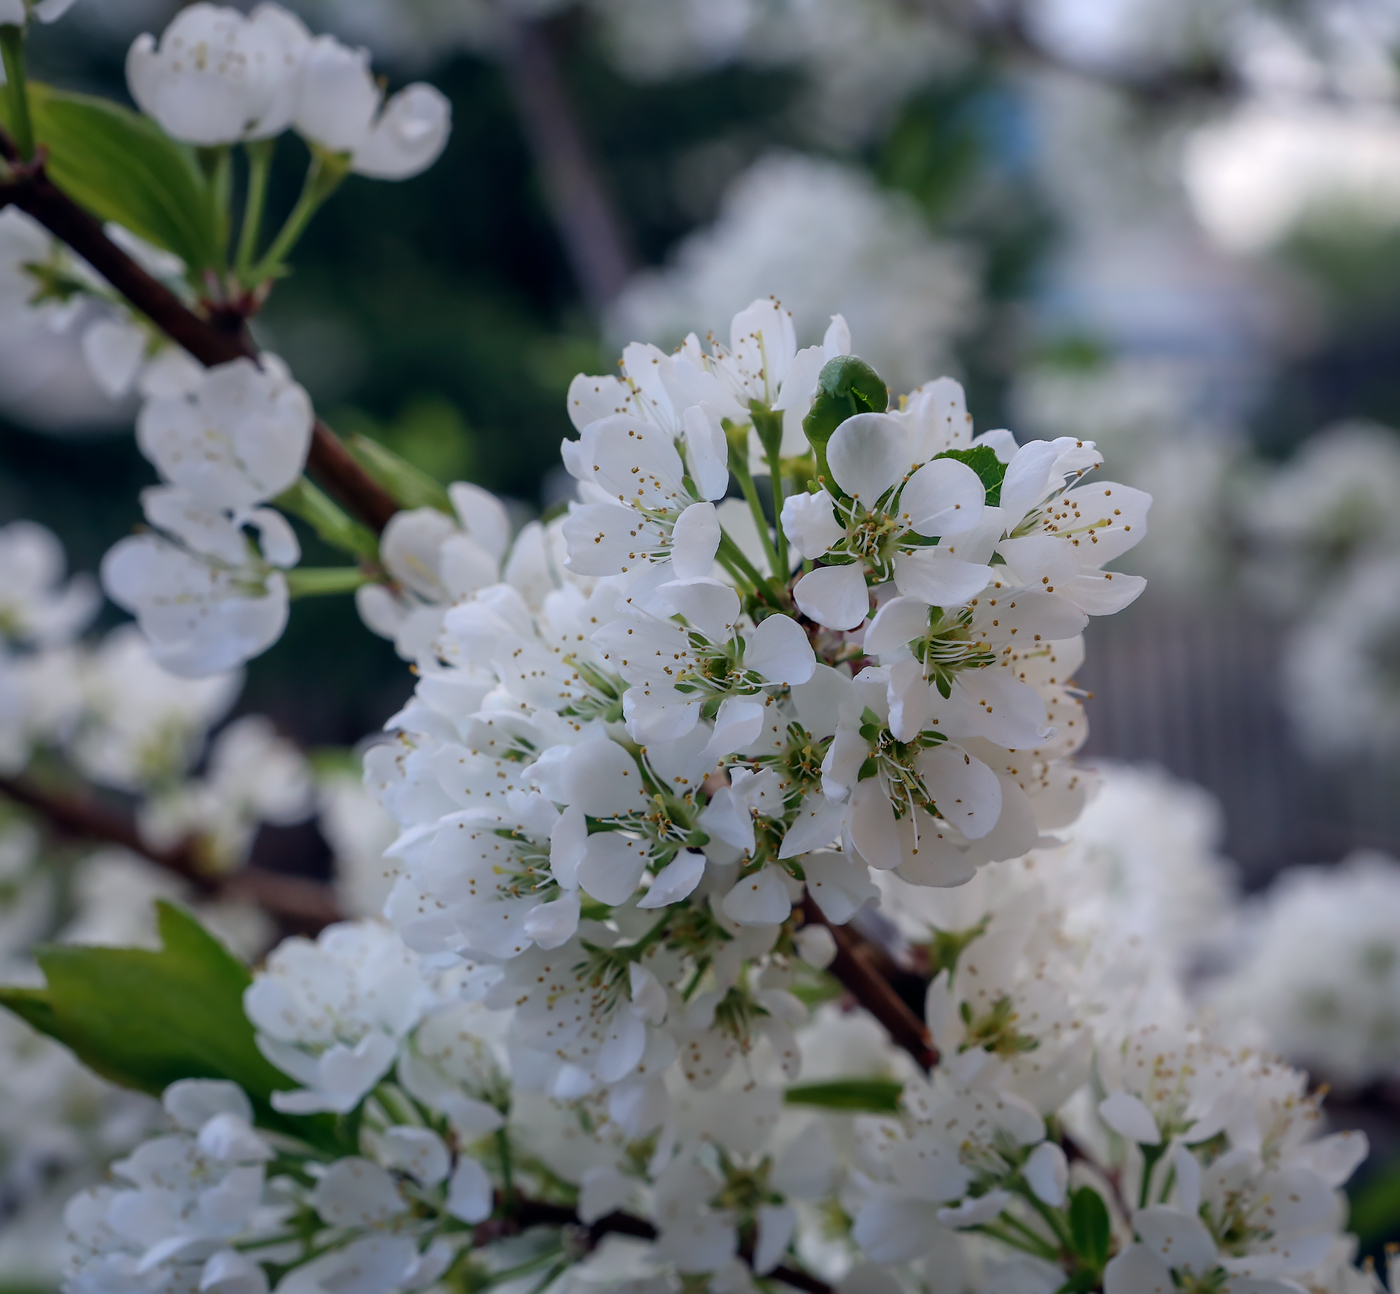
(30, 189)
(856, 971)
(297, 902)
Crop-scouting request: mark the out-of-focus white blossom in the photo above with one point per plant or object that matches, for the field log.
(1341, 665)
(254, 776)
(1255, 176)
(143, 727)
(1318, 968)
(217, 76)
(1312, 519)
(114, 894)
(824, 238)
(205, 595)
(341, 107)
(36, 607)
(359, 833)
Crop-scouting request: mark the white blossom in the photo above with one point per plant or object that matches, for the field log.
(822, 237)
(1317, 969)
(332, 1014)
(217, 76)
(341, 107)
(206, 598)
(236, 439)
(36, 606)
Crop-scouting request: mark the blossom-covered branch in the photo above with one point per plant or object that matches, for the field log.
(209, 340)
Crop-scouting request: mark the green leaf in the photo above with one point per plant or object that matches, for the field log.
(123, 167)
(1375, 1206)
(867, 1095)
(1089, 1227)
(989, 468)
(410, 486)
(147, 1019)
(847, 386)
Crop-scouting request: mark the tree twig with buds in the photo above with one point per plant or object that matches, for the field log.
(27, 186)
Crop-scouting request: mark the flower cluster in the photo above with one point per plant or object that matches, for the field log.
(207, 595)
(672, 761)
(217, 76)
(1058, 1136)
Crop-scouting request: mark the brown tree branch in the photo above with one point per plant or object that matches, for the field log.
(299, 903)
(594, 240)
(29, 188)
(536, 1213)
(856, 971)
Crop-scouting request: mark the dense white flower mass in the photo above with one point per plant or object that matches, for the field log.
(823, 237)
(669, 759)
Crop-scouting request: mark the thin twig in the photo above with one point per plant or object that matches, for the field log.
(209, 341)
(298, 902)
(536, 1213)
(857, 974)
(588, 225)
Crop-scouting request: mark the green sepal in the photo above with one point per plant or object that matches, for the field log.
(847, 386)
(991, 471)
(866, 1095)
(122, 167)
(328, 519)
(769, 427)
(410, 486)
(1089, 1227)
(147, 1019)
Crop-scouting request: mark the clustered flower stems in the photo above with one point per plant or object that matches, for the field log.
(296, 902)
(210, 340)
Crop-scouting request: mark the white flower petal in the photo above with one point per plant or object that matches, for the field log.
(834, 596)
(676, 880)
(868, 454)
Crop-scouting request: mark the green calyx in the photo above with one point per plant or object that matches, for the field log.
(847, 386)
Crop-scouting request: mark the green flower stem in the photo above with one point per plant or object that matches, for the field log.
(1032, 1236)
(17, 87)
(320, 581)
(1054, 1218)
(329, 520)
(1035, 1245)
(507, 1170)
(775, 473)
(739, 466)
(259, 153)
(216, 162)
(1150, 1156)
(323, 176)
(733, 557)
